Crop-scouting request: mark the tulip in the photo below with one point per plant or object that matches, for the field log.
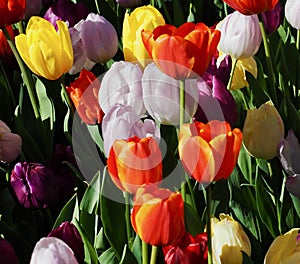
(6, 54)
(250, 7)
(46, 52)
(209, 152)
(121, 122)
(67, 11)
(144, 17)
(33, 8)
(272, 18)
(291, 12)
(11, 11)
(284, 249)
(99, 38)
(10, 143)
(263, 130)
(129, 3)
(134, 162)
(68, 233)
(158, 216)
(240, 35)
(84, 94)
(121, 84)
(52, 250)
(188, 250)
(228, 240)
(7, 253)
(35, 185)
(183, 52)
(161, 96)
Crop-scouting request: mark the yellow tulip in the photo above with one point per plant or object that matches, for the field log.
(144, 17)
(285, 249)
(228, 240)
(263, 130)
(46, 52)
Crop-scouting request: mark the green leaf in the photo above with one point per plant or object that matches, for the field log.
(192, 220)
(101, 243)
(128, 257)
(95, 134)
(137, 249)
(244, 163)
(108, 257)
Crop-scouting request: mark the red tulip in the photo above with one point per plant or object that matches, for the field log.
(250, 7)
(134, 162)
(11, 11)
(158, 216)
(183, 52)
(84, 94)
(209, 152)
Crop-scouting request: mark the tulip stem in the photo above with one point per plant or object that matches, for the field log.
(127, 218)
(208, 223)
(234, 62)
(154, 252)
(181, 101)
(26, 74)
(145, 252)
(298, 39)
(66, 97)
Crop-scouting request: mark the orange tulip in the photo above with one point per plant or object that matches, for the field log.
(209, 152)
(84, 94)
(250, 7)
(158, 216)
(183, 52)
(134, 162)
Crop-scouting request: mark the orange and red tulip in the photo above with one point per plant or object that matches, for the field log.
(11, 11)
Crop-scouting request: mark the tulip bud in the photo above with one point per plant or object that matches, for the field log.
(68, 233)
(121, 122)
(263, 130)
(54, 250)
(228, 240)
(10, 143)
(291, 10)
(161, 96)
(284, 249)
(273, 18)
(158, 216)
(7, 253)
(240, 35)
(35, 185)
(121, 84)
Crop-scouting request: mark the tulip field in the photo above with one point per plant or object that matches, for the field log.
(149, 132)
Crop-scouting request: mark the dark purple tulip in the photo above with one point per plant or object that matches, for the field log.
(129, 3)
(273, 18)
(292, 184)
(67, 11)
(34, 185)
(7, 253)
(68, 233)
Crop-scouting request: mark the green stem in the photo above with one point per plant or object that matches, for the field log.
(144, 252)
(191, 191)
(234, 62)
(272, 86)
(154, 252)
(67, 97)
(26, 74)
(127, 218)
(97, 6)
(208, 223)
(182, 101)
(298, 39)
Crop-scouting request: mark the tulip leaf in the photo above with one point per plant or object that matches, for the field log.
(128, 257)
(296, 203)
(95, 134)
(108, 257)
(101, 243)
(178, 13)
(192, 220)
(137, 249)
(244, 163)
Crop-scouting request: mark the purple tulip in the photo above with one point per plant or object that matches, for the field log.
(121, 122)
(67, 11)
(273, 18)
(7, 253)
(68, 233)
(35, 185)
(292, 184)
(129, 3)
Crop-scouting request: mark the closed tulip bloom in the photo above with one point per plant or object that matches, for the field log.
(144, 17)
(291, 12)
(273, 18)
(187, 250)
(7, 253)
(68, 233)
(158, 216)
(250, 7)
(11, 11)
(284, 249)
(99, 38)
(121, 122)
(228, 240)
(263, 130)
(161, 96)
(35, 185)
(129, 3)
(52, 250)
(10, 143)
(134, 162)
(84, 93)
(183, 52)
(121, 84)
(209, 152)
(46, 52)
(240, 35)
